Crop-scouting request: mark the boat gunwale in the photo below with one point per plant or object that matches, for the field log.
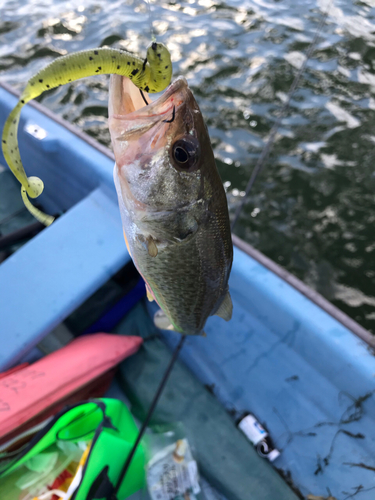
(269, 264)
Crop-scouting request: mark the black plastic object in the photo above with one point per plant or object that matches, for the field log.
(13, 215)
(112, 316)
(109, 304)
(20, 235)
(226, 459)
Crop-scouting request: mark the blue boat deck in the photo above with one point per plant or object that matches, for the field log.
(54, 273)
(57, 270)
(305, 376)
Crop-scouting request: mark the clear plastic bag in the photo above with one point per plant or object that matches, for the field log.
(35, 477)
(172, 472)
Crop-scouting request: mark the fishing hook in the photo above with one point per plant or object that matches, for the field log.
(173, 116)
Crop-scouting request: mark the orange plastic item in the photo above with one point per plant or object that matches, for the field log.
(82, 369)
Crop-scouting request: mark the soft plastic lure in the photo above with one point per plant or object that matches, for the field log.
(151, 75)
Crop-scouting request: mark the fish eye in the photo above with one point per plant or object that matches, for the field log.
(185, 153)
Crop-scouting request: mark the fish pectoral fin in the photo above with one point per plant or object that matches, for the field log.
(148, 243)
(226, 308)
(162, 321)
(149, 294)
(151, 247)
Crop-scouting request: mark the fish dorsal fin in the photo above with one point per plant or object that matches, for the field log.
(162, 321)
(226, 308)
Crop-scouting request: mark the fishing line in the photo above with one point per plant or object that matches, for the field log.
(268, 147)
(143, 96)
(152, 34)
(153, 38)
(148, 416)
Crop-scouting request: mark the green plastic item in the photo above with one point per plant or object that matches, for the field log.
(112, 431)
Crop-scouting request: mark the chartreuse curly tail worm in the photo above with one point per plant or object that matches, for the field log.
(151, 75)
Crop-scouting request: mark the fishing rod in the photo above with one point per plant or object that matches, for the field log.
(260, 164)
(268, 146)
(148, 416)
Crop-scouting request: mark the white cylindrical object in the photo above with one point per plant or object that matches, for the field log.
(272, 455)
(252, 429)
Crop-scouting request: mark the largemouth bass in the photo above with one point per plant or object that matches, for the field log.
(173, 205)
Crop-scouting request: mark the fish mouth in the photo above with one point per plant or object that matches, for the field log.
(128, 103)
(143, 137)
(141, 134)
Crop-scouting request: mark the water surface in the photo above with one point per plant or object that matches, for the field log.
(312, 209)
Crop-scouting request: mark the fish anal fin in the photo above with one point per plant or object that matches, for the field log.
(226, 308)
(162, 321)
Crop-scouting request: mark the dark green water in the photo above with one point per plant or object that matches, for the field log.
(312, 210)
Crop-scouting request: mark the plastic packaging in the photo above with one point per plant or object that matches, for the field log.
(172, 472)
(41, 473)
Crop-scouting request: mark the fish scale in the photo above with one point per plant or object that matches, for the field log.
(188, 288)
